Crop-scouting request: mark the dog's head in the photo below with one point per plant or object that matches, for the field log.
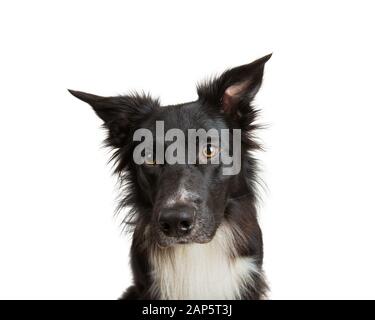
(179, 183)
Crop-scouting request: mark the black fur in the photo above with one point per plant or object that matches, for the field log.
(223, 103)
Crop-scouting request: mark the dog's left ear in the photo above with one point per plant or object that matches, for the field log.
(235, 88)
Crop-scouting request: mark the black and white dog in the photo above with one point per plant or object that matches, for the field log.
(195, 229)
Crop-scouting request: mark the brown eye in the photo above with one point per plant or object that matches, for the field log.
(149, 159)
(210, 151)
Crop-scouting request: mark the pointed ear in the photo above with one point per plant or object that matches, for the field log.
(120, 114)
(235, 87)
(107, 108)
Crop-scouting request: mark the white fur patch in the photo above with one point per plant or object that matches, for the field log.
(201, 271)
(182, 195)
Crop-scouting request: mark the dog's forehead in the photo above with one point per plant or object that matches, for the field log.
(191, 115)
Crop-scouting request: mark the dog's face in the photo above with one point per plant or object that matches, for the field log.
(183, 201)
(188, 199)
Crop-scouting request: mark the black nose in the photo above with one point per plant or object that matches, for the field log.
(177, 221)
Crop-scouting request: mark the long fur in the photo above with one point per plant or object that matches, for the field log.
(192, 271)
(222, 256)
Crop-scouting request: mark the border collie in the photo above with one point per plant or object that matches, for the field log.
(195, 229)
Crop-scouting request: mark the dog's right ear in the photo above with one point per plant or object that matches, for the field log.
(107, 108)
(120, 114)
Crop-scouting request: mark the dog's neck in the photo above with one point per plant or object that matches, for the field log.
(201, 271)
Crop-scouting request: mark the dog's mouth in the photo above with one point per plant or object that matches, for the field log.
(196, 236)
(187, 241)
(173, 242)
(182, 241)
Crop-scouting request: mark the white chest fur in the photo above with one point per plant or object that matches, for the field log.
(201, 271)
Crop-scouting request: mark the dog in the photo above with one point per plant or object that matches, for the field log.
(195, 229)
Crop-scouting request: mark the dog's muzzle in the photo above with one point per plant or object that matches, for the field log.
(177, 221)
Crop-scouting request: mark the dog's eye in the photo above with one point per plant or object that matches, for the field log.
(210, 151)
(149, 158)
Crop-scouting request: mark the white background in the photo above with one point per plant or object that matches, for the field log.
(58, 235)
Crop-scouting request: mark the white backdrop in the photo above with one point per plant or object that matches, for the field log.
(58, 235)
